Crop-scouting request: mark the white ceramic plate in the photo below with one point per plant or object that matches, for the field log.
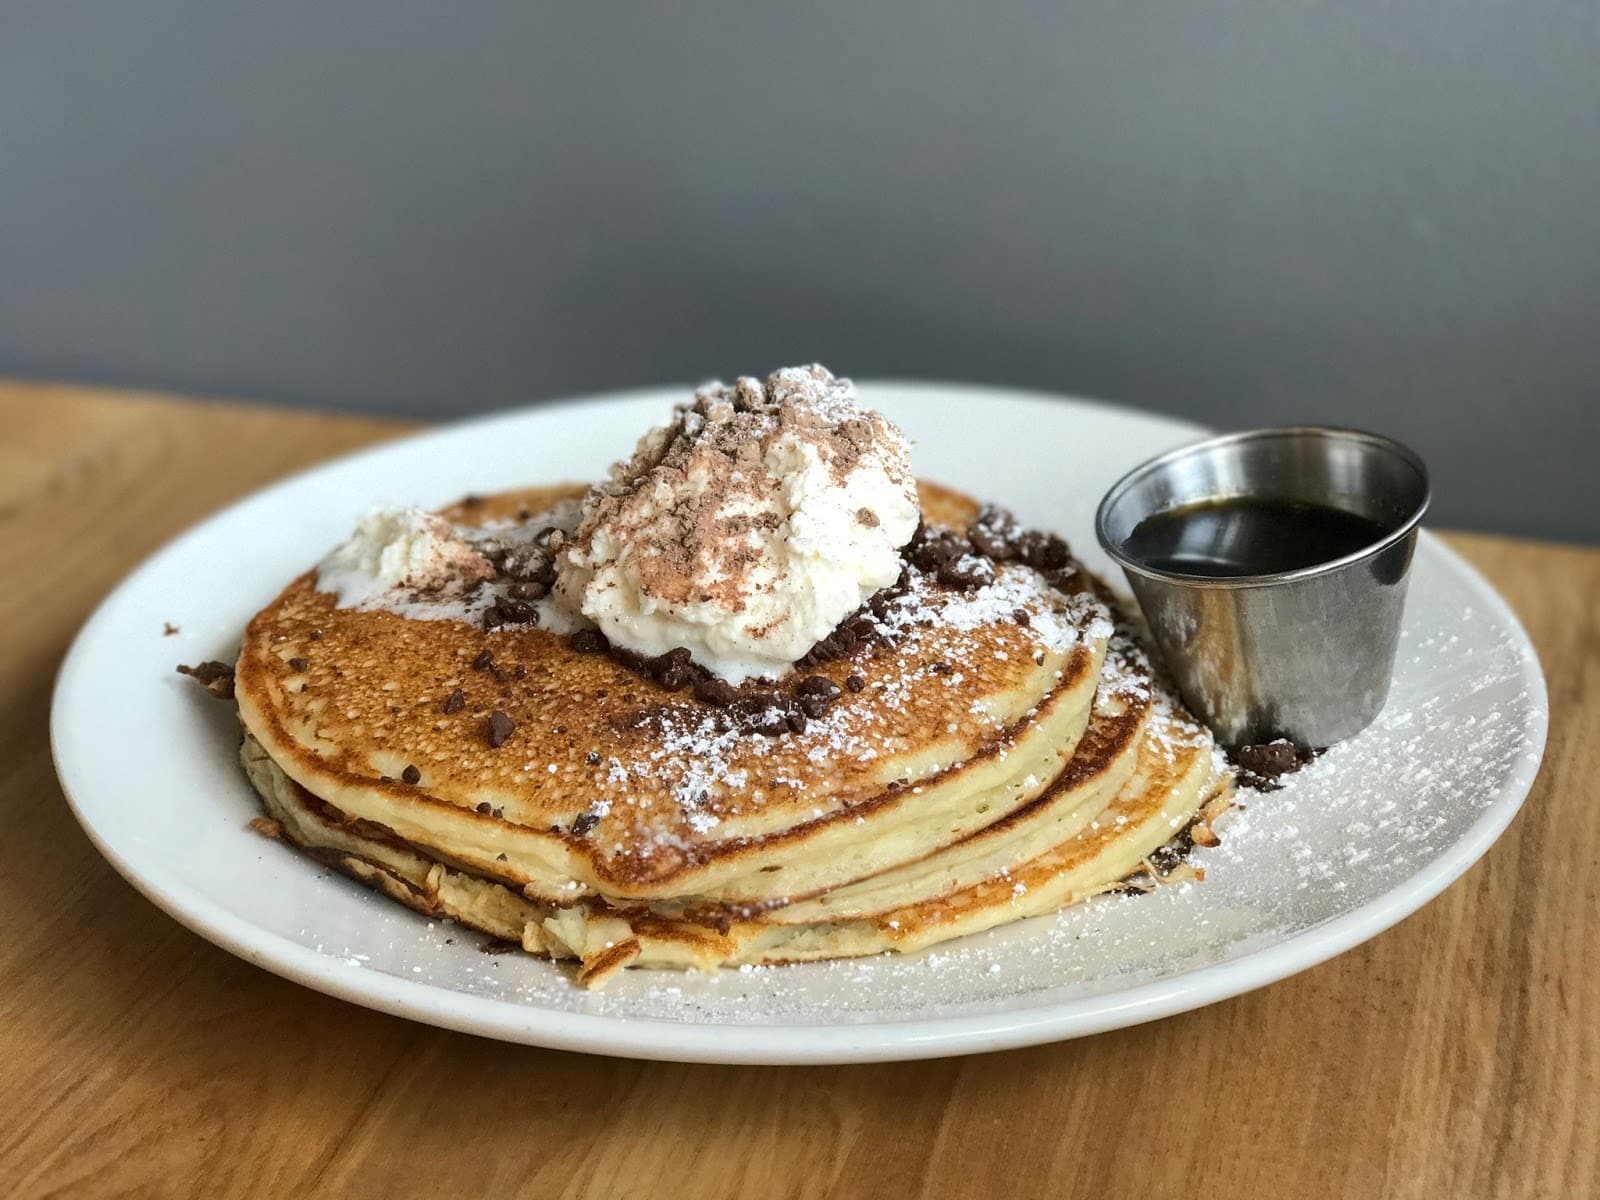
(1365, 836)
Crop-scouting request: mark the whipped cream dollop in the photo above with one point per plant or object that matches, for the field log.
(400, 549)
(747, 528)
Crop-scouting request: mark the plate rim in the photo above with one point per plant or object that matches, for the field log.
(645, 1037)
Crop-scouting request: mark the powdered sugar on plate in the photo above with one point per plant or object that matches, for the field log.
(1360, 820)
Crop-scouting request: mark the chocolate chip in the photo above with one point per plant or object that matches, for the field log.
(316, 635)
(590, 641)
(815, 707)
(529, 590)
(1021, 617)
(455, 702)
(675, 678)
(994, 533)
(1270, 759)
(583, 823)
(967, 572)
(987, 543)
(215, 677)
(855, 682)
(503, 675)
(298, 664)
(168, 629)
(938, 549)
(499, 728)
(762, 713)
(1043, 551)
(471, 501)
(500, 857)
(484, 661)
(940, 668)
(815, 693)
(817, 685)
(592, 759)
(484, 808)
(867, 517)
(716, 692)
(497, 813)
(517, 612)
(411, 775)
(521, 672)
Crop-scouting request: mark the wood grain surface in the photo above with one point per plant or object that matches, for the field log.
(1457, 1055)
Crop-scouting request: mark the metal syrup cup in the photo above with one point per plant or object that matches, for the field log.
(1305, 654)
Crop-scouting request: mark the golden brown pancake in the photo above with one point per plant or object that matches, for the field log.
(1005, 755)
(1172, 777)
(612, 786)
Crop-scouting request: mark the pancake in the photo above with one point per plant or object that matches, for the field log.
(1173, 775)
(1000, 751)
(612, 787)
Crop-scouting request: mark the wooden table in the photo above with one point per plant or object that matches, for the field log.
(1457, 1055)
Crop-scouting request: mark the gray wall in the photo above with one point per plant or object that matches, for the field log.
(1385, 214)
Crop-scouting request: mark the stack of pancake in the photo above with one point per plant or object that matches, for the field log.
(995, 751)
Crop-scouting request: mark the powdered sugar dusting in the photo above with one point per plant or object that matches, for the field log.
(696, 748)
(1463, 723)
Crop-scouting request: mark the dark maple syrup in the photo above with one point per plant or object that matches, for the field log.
(1246, 535)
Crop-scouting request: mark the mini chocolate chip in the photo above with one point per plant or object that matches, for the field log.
(484, 808)
(484, 661)
(589, 641)
(298, 664)
(678, 656)
(471, 501)
(592, 759)
(316, 635)
(939, 549)
(521, 672)
(940, 668)
(497, 813)
(456, 701)
(763, 714)
(500, 857)
(502, 674)
(516, 611)
(716, 692)
(1043, 551)
(499, 728)
(814, 706)
(411, 775)
(1269, 759)
(584, 823)
(527, 589)
(817, 685)
(989, 543)
(967, 573)
(1021, 617)
(855, 682)
(674, 678)
(867, 517)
